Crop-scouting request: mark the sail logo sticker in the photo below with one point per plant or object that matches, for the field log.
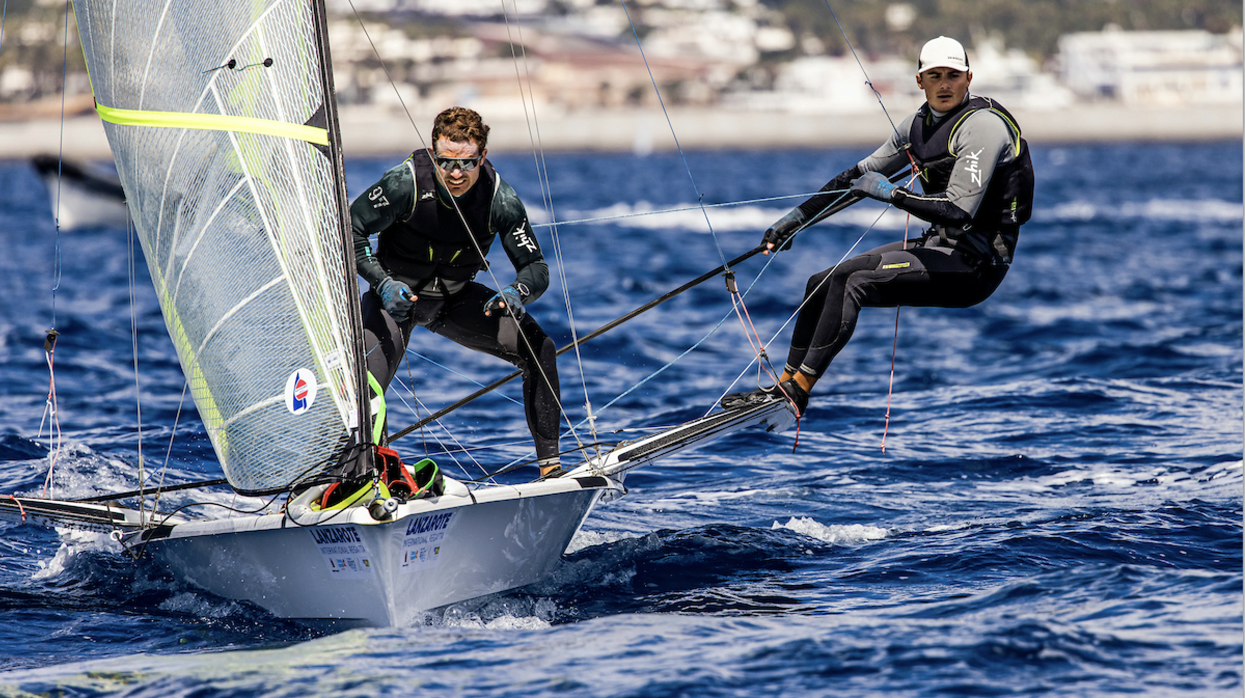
(345, 554)
(300, 391)
(425, 541)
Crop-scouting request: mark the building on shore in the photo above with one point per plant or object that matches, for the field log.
(1153, 68)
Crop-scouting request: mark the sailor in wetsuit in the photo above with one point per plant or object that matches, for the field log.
(977, 183)
(422, 270)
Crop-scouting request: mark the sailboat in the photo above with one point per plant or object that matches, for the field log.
(81, 196)
(222, 122)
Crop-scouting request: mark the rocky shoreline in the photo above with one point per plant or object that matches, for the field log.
(372, 132)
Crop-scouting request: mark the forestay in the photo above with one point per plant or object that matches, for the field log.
(215, 112)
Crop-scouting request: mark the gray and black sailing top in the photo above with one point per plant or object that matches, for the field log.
(959, 153)
(975, 173)
(423, 242)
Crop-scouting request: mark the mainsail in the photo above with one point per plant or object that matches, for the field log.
(218, 118)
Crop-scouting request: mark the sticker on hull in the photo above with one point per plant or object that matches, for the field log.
(345, 554)
(424, 543)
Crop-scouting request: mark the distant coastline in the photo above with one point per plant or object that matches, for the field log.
(368, 131)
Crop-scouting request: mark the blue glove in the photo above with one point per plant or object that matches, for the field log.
(397, 298)
(780, 233)
(874, 185)
(507, 302)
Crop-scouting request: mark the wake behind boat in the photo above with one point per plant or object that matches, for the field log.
(228, 152)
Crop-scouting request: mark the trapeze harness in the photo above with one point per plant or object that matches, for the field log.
(1008, 201)
(430, 245)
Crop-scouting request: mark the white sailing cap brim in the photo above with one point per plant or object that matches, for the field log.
(943, 52)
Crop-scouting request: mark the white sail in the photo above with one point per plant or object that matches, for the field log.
(215, 115)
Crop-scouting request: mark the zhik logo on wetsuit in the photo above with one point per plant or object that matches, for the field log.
(522, 240)
(972, 166)
(300, 391)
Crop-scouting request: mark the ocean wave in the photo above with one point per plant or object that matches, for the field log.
(1199, 210)
(73, 544)
(724, 219)
(851, 533)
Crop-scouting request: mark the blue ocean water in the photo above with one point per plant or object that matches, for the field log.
(1058, 510)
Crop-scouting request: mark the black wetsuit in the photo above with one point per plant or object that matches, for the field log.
(978, 189)
(424, 244)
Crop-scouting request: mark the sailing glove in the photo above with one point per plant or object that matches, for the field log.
(780, 233)
(874, 185)
(397, 298)
(507, 303)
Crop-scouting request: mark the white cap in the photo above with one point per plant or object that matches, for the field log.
(943, 52)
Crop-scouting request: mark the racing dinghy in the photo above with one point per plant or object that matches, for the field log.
(222, 122)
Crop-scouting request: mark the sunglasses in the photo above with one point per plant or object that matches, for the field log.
(464, 164)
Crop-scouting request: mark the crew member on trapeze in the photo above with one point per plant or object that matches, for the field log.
(437, 213)
(977, 184)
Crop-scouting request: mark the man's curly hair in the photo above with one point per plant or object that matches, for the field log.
(460, 124)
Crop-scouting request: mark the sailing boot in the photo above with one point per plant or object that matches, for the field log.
(797, 395)
(550, 467)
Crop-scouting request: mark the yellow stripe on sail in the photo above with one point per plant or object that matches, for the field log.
(213, 122)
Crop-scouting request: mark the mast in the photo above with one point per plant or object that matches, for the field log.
(360, 466)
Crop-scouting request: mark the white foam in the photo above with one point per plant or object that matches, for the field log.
(688, 216)
(1202, 210)
(947, 527)
(507, 613)
(852, 533)
(73, 542)
(509, 622)
(587, 539)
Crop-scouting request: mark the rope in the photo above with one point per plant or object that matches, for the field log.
(806, 299)
(862, 69)
(475, 244)
(4, 15)
(542, 176)
(464, 376)
(385, 67)
(51, 413)
(463, 449)
(138, 400)
(20, 508)
(591, 335)
(49, 344)
(677, 145)
(915, 173)
(890, 387)
(739, 307)
(233, 62)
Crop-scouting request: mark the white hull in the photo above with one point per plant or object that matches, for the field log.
(355, 569)
(346, 567)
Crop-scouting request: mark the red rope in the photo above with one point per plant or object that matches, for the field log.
(19, 506)
(890, 389)
(54, 424)
(758, 348)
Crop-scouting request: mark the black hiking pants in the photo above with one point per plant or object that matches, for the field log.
(890, 276)
(461, 318)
